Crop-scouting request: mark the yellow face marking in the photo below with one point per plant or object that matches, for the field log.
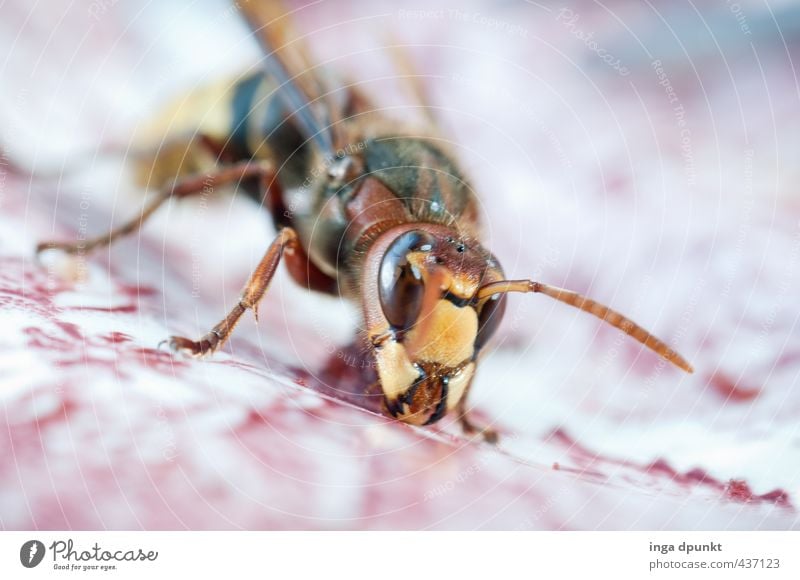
(463, 286)
(451, 333)
(457, 385)
(395, 370)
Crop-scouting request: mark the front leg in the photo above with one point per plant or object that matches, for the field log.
(489, 435)
(285, 245)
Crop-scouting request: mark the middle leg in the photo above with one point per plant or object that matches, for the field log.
(285, 245)
(184, 187)
(468, 426)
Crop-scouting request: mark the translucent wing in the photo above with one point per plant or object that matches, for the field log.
(288, 65)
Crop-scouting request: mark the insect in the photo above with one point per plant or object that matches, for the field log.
(366, 209)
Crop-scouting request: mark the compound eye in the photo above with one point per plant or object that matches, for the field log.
(489, 319)
(400, 285)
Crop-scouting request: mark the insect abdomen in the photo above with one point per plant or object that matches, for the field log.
(261, 129)
(244, 119)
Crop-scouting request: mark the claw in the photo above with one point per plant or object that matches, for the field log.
(196, 348)
(489, 435)
(44, 247)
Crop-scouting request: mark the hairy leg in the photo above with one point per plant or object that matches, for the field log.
(285, 245)
(183, 187)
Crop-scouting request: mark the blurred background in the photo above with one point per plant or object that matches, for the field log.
(644, 154)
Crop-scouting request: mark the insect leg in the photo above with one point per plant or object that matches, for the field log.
(470, 428)
(285, 244)
(183, 187)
